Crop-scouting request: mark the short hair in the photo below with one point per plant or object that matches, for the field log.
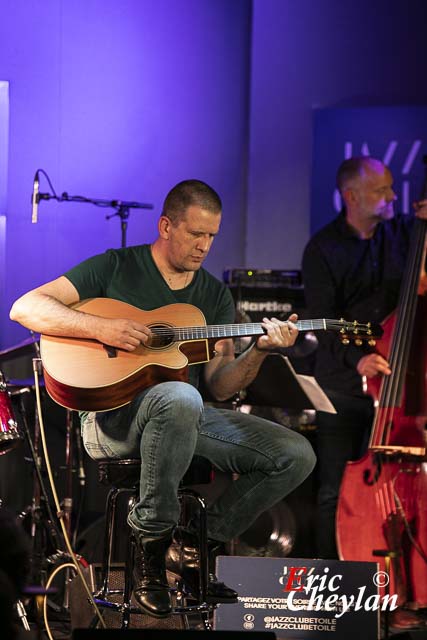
(353, 168)
(188, 193)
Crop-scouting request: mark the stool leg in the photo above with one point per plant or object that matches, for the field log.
(202, 541)
(202, 608)
(128, 579)
(204, 552)
(108, 539)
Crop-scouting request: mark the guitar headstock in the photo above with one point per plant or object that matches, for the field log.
(356, 332)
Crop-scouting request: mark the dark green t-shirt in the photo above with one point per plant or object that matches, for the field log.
(130, 275)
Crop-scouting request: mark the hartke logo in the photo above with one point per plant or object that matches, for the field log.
(264, 305)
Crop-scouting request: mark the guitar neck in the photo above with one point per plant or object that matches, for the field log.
(181, 334)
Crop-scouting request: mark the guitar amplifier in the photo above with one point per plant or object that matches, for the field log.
(265, 278)
(255, 303)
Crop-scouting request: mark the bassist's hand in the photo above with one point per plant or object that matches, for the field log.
(372, 364)
(122, 333)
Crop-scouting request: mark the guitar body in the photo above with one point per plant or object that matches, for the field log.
(85, 375)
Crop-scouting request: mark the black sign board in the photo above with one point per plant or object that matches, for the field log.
(302, 598)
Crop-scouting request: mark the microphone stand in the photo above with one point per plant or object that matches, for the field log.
(123, 213)
(122, 206)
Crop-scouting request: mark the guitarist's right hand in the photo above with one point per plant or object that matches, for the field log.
(122, 333)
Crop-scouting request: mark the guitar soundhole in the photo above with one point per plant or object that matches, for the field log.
(163, 336)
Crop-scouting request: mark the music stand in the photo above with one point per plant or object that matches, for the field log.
(278, 385)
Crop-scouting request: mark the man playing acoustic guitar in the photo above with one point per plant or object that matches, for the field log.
(166, 424)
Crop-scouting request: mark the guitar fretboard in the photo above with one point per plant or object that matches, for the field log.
(178, 334)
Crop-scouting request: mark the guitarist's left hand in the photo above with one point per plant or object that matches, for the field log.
(279, 334)
(226, 375)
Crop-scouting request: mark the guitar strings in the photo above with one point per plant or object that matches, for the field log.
(302, 325)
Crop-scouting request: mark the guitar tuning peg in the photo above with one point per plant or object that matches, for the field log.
(358, 342)
(345, 340)
(372, 342)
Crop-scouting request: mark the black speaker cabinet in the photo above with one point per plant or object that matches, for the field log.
(82, 614)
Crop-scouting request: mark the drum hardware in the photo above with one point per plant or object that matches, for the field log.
(10, 435)
(37, 517)
(22, 614)
(40, 523)
(273, 534)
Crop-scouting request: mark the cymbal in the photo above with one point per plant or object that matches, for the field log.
(26, 347)
(22, 382)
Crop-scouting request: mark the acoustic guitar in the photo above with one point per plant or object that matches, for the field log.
(86, 375)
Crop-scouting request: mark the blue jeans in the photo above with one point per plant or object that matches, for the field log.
(167, 424)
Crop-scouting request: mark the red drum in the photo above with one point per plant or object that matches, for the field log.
(10, 436)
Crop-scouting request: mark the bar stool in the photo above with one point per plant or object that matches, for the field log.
(123, 477)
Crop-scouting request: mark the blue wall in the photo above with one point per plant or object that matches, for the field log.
(119, 100)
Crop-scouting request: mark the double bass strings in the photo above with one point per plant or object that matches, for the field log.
(392, 386)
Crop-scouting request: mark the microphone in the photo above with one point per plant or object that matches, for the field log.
(35, 198)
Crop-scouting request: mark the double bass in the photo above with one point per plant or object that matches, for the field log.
(382, 504)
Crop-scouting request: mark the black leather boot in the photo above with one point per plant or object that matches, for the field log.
(150, 585)
(182, 558)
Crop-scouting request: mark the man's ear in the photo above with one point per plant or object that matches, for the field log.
(349, 196)
(164, 227)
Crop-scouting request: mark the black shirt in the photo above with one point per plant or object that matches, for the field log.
(345, 276)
